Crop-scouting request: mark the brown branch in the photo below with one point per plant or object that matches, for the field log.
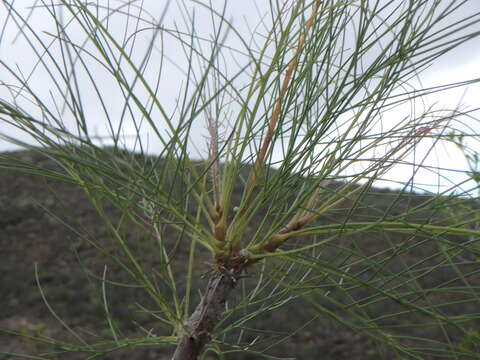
(196, 332)
(272, 125)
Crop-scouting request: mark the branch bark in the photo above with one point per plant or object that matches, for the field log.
(200, 324)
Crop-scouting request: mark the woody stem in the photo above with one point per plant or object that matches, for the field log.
(196, 332)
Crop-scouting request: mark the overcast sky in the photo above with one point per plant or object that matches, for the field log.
(460, 64)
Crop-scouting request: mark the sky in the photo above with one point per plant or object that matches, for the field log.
(248, 16)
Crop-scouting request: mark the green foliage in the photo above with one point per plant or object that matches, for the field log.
(299, 126)
(471, 341)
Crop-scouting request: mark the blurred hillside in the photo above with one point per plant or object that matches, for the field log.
(51, 225)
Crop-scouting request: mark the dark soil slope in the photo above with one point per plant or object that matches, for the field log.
(44, 229)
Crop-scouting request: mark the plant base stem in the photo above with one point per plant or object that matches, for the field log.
(200, 324)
